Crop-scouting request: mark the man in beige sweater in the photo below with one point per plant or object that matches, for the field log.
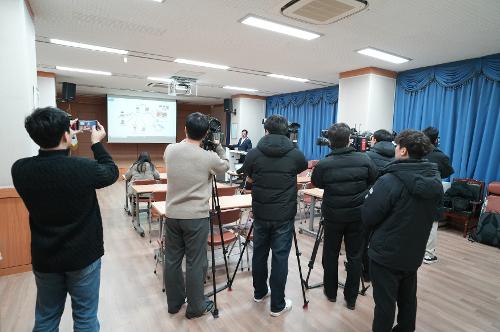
(190, 170)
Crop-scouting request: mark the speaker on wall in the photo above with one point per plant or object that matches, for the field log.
(228, 105)
(68, 91)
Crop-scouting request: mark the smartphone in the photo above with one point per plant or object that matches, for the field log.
(86, 125)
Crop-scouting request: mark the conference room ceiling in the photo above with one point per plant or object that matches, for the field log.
(428, 32)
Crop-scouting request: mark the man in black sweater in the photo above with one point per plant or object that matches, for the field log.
(400, 209)
(272, 168)
(65, 220)
(382, 149)
(346, 176)
(445, 170)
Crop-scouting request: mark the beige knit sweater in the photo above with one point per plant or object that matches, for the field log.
(190, 170)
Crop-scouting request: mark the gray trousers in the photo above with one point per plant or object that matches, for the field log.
(186, 237)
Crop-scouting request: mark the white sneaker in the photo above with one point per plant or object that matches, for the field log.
(288, 306)
(264, 297)
(430, 260)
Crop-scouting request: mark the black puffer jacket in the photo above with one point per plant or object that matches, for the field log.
(346, 176)
(382, 153)
(273, 166)
(443, 162)
(400, 209)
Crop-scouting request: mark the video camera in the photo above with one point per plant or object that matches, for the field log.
(214, 134)
(293, 132)
(360, 142)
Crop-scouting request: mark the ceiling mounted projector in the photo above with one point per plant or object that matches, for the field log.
(322, 12)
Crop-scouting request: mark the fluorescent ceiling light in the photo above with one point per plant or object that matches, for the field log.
(238, 88)
(383, 55)
(202, 64)
(280, 28)
(87, 46)
(159, 1)
(87, 71)
(297, 79)
(160, 79)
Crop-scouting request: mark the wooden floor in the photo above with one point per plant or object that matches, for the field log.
(459, 293)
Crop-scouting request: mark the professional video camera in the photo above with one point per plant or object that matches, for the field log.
(214, 134)
(360, 142)
(293, 132)
(323, 140)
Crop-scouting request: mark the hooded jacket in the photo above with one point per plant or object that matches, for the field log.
(400, 209)
(442, 161)
(346, 176)
(273, 166)
(382, 153)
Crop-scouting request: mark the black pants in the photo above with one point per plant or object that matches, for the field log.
(352, 235)
(390, 287)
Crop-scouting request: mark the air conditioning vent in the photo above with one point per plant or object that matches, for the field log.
(322, 11)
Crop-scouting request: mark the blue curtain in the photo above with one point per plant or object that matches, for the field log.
(461, 99)
(314, 110)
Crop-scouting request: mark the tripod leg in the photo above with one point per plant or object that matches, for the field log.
(215, 311)
(224, 251)
(247, 241)
(319, 237)
(297, 252)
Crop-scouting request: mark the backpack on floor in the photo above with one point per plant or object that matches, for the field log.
(488, 229)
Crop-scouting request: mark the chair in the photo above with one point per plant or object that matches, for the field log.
(312, 163)
(468, 217)
(162, 181)
(493, 198)
(226, 191)
(144, 182)
(157, 196)
(227, 236)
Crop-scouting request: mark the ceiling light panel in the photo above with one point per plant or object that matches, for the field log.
(382, 55)
(87, 46)
(291, 78)
(279, 28)
(86, 71)
(201, 64)
(229, 87)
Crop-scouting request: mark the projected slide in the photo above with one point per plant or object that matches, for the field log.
(141, 120)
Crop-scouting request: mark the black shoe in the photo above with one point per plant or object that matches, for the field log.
(331, 299)
(174, 310)
(209, 306)
(351, 305)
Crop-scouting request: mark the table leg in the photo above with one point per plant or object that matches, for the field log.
(311, 213)
(126, 196)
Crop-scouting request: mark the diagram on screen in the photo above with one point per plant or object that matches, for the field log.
(145, 119)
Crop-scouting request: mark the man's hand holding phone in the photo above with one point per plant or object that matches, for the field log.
(97, 134)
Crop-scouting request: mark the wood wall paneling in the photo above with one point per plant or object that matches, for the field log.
(15, 238)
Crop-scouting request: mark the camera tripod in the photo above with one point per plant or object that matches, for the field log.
(310, 265)
(297, 253)
(215, 213)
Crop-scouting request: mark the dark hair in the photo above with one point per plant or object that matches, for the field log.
(416, 142)
(143, 158)
(276, 124)
(383, 135)
(246, 131)
(46, 126)
(196, 126)
(339, 134)
(432, 133)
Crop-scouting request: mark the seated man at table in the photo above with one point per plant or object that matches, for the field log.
(273, 167)
(190, 171)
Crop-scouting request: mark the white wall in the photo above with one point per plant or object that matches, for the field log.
(367, 101)
(46, 91)
(249, 115)
(353, 100)
(18, 84)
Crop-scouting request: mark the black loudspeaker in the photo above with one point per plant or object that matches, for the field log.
(68, 91)
(228, 105)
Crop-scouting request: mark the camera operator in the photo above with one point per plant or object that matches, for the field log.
(272, 167)
(65, 220)
(382, 149)
(445, 169)
(400, 208)
(190, 171)
(346, 176)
